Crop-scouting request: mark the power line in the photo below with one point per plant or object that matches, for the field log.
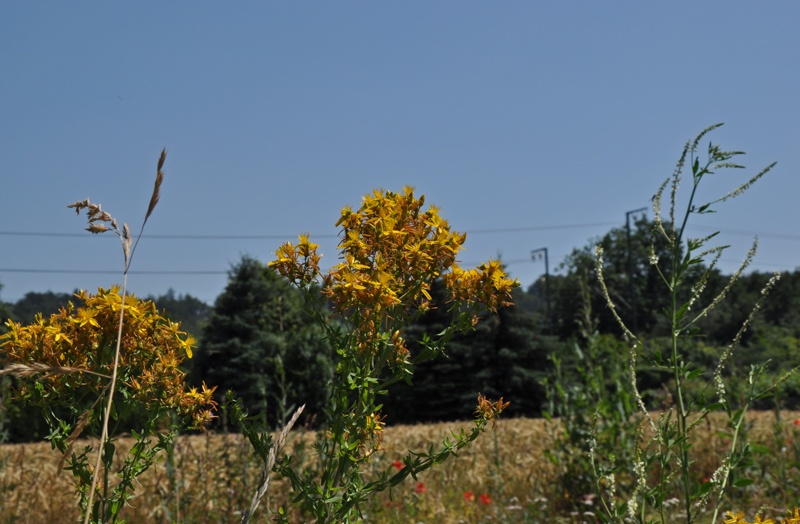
(539, 228)
(110, 272)
(282, 237)
(166, 237)
(742, 232)
(217, 272)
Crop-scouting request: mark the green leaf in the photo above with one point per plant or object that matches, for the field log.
(691, 375)
(682, 311)
(760, 448)
(741, 483)
(704, 488)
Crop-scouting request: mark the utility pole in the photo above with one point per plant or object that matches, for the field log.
(534, 254)
(630, 267)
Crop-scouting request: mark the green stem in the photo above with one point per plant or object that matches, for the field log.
(724, 481)
(675, 279)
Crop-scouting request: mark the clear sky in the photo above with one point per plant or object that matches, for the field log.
(516, 118)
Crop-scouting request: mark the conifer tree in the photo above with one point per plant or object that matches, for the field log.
(260, 343)
(5, 313)
(505, 356)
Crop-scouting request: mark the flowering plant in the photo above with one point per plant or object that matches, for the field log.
(74, 349)
(663, 462)
(116, 346)
(793, 517)
(391, 252)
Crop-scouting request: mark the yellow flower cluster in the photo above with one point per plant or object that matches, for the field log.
(152, 348)
(738, 518)
(488, 410)
(370, 430)
(480, 285)
(391, 252)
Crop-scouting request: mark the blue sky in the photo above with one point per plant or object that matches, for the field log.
(515, 117)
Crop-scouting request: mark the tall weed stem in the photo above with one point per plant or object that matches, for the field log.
(673, 451)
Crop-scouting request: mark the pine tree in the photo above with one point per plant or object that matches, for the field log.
(260, 343)
(5, 313)
(191, 312)
(567, 292)
(48, 303)
(506, 356)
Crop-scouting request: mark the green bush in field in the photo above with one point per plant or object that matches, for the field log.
(588, 393)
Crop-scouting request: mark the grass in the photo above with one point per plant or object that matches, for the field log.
(211, 478)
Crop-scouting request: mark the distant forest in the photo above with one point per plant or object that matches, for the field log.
(258, 341)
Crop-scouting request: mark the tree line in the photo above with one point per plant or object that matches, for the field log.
(259, 342)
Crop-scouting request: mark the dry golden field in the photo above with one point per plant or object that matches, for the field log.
(504, 477)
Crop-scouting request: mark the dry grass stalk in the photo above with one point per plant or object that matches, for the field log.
(159, 179)
(96, 214)
(266, 474)
(26, 370)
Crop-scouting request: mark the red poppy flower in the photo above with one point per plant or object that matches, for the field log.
(485, 499)
(421, 488)
(469, 496)
(398, 464)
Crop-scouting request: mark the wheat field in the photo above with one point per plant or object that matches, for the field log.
(503, 477)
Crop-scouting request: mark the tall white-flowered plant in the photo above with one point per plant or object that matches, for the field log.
(669, 448)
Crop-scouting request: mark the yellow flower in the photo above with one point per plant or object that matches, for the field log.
(737, 518)
(488, 410)
(392, 251)
(87, 316)
(188, 344)
(55, 332)
(152, 350)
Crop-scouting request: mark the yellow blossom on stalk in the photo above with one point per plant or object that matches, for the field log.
(488, 284)
(739, 518)
(735, 518)
(86, 316)
(488, 410)
(370, 431)
(391, 252)
(289, 262)
(152, 348)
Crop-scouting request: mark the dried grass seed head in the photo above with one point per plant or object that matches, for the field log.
(156, 190)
